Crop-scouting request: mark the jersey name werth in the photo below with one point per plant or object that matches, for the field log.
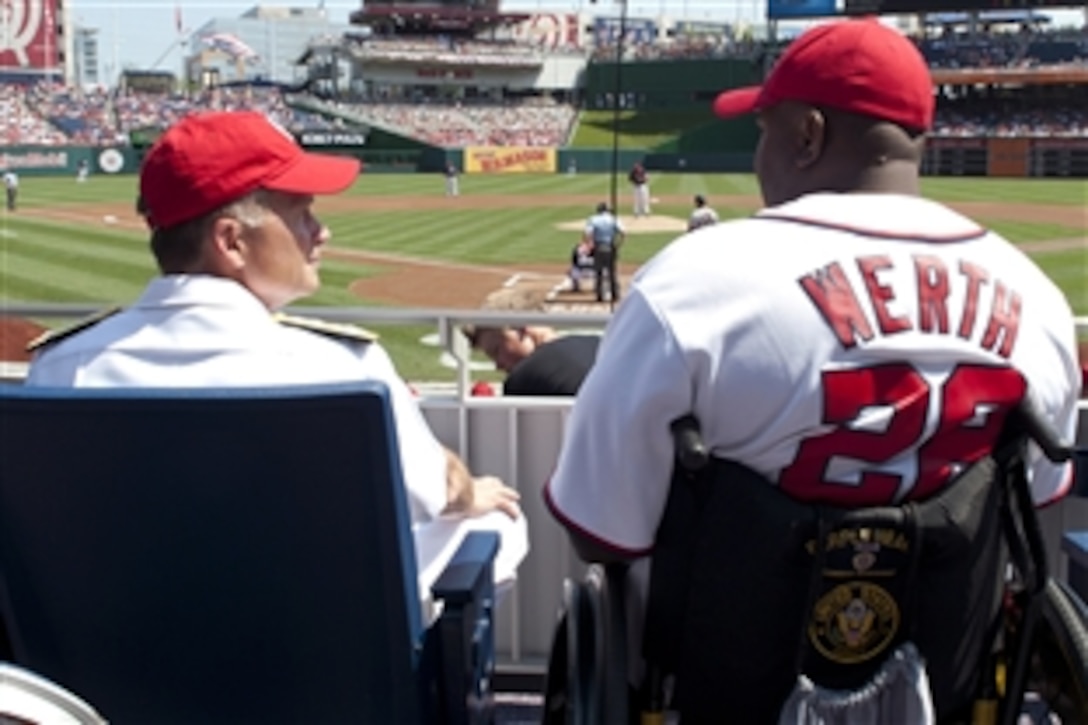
(946, 300)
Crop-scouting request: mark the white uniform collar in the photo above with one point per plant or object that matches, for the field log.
(878, 215)
(185, 290)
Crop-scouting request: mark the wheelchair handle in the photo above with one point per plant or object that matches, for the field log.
(1034, 423)
(687, 440)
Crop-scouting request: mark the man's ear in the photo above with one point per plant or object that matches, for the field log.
(812, 137)
(227, 243)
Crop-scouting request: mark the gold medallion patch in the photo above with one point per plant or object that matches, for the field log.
(854, 622)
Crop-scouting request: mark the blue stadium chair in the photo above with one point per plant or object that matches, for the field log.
(244, 555)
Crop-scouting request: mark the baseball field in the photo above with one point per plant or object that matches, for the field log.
(399, 241)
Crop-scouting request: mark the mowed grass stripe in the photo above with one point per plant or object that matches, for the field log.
(48, 191)
(1027, 232)
(401, 232)
(509, 236)
(22, 273)
(77, 229)
(426, 233)
(1063, 192)
(497, 237)
(84, 261)
(122, 190)
(23, 286)
(336, 278)
(1069, 270)
(90, 255)
(80, 252)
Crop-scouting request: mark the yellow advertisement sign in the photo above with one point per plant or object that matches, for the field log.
(509, 160)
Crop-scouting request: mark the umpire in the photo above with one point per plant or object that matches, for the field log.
(605, 233)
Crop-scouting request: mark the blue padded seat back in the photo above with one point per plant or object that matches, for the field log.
(187, 556)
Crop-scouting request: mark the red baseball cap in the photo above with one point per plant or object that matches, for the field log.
(861, 66)
(207, 160)
(482, 388)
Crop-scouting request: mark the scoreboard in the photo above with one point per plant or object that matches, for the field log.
(892, 7)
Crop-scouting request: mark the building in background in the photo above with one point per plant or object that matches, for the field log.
(263, 44)
(84, 58)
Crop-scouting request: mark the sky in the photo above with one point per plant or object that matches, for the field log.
(142, 33)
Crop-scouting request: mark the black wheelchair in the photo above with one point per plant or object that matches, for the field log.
(752, 594)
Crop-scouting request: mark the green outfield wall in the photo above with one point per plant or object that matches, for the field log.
(690, 152)
(668, 84)
(65, 160)
(596, 160)
(662, 89)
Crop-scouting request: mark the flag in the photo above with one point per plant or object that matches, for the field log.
(230, 44)
(177, 18)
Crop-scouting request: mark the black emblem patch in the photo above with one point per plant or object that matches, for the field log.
(854, 622)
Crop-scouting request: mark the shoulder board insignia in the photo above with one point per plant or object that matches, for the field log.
(332, 329)
(51, 336)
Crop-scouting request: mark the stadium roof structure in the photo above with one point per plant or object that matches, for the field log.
(987, 16)
(437, 17)
(1038, 76)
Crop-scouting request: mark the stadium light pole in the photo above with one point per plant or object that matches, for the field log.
(616, 108)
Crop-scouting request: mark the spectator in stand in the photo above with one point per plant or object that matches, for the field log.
(538, 360)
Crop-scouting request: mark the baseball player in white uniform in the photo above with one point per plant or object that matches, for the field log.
(228, 197)
(865, 346)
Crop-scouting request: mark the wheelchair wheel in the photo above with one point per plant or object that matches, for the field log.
(1059, 654)
(26, 697)
(573, 689)
(587, 669)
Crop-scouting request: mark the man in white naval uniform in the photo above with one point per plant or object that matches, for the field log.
(228, 198)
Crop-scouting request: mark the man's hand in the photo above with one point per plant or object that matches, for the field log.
(490, 494)
(475, 496)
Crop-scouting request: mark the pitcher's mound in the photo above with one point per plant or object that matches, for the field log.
(635, 225)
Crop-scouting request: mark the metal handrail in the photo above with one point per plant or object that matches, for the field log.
(446, 320)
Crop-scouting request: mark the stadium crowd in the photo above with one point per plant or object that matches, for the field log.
(531, 122)
(1026, 47)
(48, 114)
(449, 50)
(989, 120)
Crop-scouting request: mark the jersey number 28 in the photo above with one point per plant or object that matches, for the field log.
(973, 403)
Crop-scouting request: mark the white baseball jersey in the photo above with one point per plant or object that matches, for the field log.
(199, 331)
(852, 348)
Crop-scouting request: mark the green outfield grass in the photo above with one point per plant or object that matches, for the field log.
(100, 264)
(637, 129)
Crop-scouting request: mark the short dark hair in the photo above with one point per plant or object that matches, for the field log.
(177, 248)
(700, 200)
(602, 207)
